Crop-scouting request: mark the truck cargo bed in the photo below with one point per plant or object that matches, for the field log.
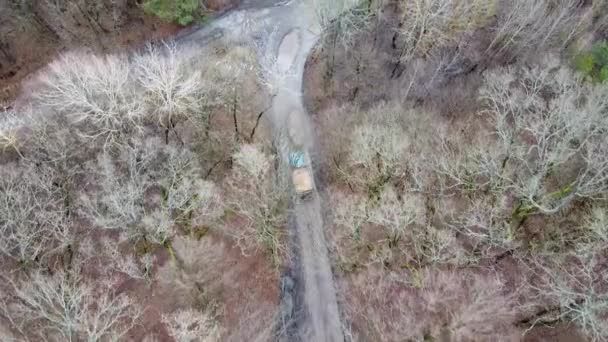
(302, 181)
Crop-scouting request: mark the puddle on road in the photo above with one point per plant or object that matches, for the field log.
(288, 50)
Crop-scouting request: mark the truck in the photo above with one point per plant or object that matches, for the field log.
(301, 174)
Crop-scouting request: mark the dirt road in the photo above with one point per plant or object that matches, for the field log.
(322, 319)
(284, 32)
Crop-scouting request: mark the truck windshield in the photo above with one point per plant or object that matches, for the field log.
(297, 159)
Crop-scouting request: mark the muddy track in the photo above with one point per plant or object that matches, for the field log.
(321, 321)
(284, 32)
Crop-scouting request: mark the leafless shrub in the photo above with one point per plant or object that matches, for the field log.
(6, 334)
(443, 304)
(272, 73)
(485, 314)
(114, 261)
(256, 323)
(383, 141)
(65, 307)
(349, 221)
(96, 93)
(51, 141)
(10, 125)
(203, 279)
(231, 66)
(190, 325)
(336, 146)
(600, 13)
(194, 276)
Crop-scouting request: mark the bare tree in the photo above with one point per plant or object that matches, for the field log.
(578, 290)
(194, 274)
(109, 255)
(593, 180)
(595, 226)
(540, 136)
(472, 169)
(201, 280)
(65, 307)
(49, 140)
(344, 19)
(428, 24)
(377, 150)
(33, 222)
(257, 194)
(75, 21)
(186, 199)
(351, 212)
(395, 214)
(96, 93)
(519, 27)
(487, 228)
(172, 85)
(124, 199)
(158, 226)
(238, 86)
(342, 23)
(119, 203)
(393, 229)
